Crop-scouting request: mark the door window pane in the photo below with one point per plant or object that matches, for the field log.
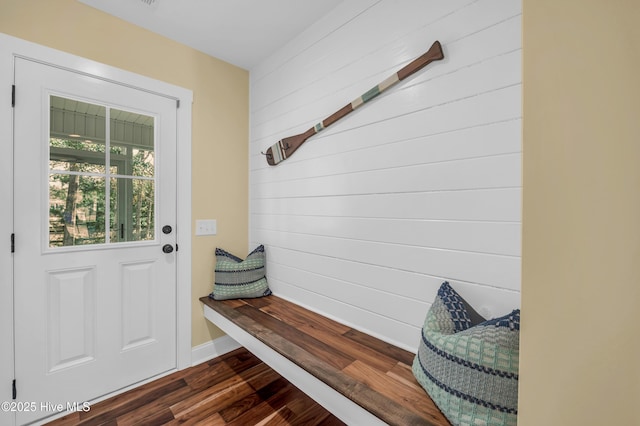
(132, 209)
(90, 203)
(132, 143)
(76, 210)
(77, 136)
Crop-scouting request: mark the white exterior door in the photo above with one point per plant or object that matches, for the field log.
(94, 223)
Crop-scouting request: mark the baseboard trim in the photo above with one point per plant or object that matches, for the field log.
(209, 350)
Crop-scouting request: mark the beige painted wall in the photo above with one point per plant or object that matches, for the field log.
(581, 214)
(220, 114)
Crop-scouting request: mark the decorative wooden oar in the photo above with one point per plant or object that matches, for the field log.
(283, 149)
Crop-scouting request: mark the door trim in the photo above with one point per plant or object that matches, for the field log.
(11, 47)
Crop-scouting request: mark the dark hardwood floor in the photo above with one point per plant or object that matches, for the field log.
(235, 389)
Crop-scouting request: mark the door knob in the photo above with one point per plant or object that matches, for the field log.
(167, 248)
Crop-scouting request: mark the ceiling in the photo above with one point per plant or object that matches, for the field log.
(241, 32)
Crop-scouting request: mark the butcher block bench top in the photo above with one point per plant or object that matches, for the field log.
(370, 372)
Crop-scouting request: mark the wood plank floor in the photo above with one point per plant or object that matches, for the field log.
(234, 389)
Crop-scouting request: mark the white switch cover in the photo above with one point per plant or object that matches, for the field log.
(206, 227)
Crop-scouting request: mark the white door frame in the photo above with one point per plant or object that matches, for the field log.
(10, 47)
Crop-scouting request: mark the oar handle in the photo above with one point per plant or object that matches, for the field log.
(433, 54)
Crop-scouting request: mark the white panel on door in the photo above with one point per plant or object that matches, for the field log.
(71, 325)
(137, 304)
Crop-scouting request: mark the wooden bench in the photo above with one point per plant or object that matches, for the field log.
(360, 379)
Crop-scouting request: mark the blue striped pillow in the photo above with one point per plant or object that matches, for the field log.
(236, 278)
(469, 369)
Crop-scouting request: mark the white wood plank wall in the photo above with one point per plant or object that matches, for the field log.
(421, 185)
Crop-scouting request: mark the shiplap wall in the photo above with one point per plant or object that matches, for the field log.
(421, 185)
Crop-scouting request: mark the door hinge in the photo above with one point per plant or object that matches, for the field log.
(13, 95)
(13, 243)
(177, 103)
(176, 246)
(14, 389)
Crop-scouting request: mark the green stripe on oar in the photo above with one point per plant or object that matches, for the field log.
(285, 147)
(372, 93)
(367, 96)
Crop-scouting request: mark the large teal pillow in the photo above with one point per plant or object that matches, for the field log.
(469, 367)
(236, 278)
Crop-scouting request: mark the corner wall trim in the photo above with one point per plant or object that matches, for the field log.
(212, 349)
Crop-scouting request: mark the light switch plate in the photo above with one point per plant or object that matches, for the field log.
(206, 227)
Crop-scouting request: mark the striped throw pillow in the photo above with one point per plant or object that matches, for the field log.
(236, 278)
(470, 370)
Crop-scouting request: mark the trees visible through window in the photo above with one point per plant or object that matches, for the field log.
(90, 203)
